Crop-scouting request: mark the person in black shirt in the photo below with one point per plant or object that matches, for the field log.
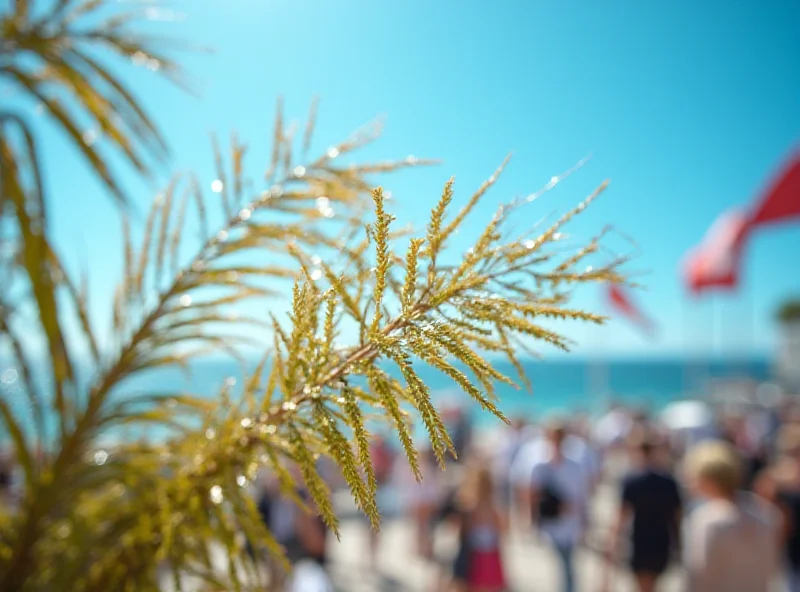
(651, 503)
(780, 484)
(788, 501)
(301, 534)
(6, 480)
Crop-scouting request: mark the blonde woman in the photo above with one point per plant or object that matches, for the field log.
(732, 539)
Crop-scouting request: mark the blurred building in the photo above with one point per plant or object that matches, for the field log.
(788, 362)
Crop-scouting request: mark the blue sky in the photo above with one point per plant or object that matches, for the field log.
(686, 106)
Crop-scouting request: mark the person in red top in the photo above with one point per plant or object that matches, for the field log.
(383, 458)
(479, 563)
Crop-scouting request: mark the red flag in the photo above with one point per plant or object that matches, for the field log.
(620, 301)
(781, 200)
(715, 263)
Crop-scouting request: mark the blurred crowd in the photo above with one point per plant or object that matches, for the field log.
(711, 491)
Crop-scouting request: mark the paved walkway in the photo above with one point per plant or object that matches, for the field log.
(530, 564)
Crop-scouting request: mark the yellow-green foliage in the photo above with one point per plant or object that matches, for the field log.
(97, 519)
(789, 311)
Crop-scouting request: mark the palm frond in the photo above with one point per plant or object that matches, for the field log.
(181, 298)
(50, 59)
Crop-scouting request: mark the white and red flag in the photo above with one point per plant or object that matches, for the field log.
(781, 201)
(716, 262)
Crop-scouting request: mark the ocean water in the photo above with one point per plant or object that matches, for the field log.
(565, 385)
(558, 385)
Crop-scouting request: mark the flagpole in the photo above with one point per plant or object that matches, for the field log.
(699, 335)
(596, 368)
(713, 331)
(689, 369)
(598, 376)
(621, 303)
(749, 331)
